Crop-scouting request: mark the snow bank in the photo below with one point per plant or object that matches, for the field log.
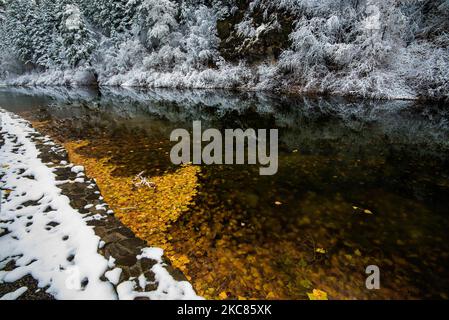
(50, 240)
(15, 294)
(40, 249)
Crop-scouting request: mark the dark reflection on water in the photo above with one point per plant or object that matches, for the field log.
(338, 158)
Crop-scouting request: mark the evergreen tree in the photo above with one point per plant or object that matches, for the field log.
(113, 17)
(368, 47)
(77, 40)
(45, 34)
(19, 27)
(2, 10)
(156, 19)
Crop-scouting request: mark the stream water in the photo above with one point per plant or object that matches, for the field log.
(359, 183)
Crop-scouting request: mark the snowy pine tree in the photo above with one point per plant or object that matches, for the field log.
(45, 34)
(77, 39)
(20, 27)
(2, 10)
(371, 48)
(156, 19)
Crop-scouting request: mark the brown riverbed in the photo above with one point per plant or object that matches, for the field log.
(349, 193)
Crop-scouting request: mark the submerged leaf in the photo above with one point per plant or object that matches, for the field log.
(317, 295)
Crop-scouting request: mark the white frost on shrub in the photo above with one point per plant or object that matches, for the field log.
(73, 20)
(337, 46)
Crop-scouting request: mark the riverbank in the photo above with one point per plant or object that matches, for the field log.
(52, 215)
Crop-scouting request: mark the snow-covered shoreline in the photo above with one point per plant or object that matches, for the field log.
(44, 236)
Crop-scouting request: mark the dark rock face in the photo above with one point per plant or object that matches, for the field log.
(272, 37)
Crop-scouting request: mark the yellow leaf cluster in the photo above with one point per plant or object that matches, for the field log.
(317, 295)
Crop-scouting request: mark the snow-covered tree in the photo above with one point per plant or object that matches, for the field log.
(20, 24)
(201, 41)
(45, 35)
(77, 39)
(156, 20)
(2, 10)
(373, 48)
(112, 17)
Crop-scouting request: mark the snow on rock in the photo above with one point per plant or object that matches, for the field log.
(151, 253)
(51, 241)
(168, 288)
(43, 253)
(114, 275)
(15, 294)
(77, 169)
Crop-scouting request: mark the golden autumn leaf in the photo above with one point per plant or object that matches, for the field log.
(222, 295)
(270, 295)
(317, 295)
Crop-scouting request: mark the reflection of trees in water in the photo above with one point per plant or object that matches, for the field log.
(303, 120)
(398, 133)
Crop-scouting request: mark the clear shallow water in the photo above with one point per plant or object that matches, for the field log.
(257, 237)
